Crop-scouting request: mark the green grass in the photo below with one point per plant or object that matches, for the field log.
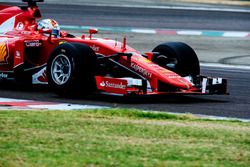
(115, 137)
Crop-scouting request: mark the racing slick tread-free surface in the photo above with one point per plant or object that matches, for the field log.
(183, 56)
(83, 64)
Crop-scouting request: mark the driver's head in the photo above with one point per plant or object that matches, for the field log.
(49, 24)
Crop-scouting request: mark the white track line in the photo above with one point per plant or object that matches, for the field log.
(217, 65)
(189, 32)
(144, 31)
(20, 104)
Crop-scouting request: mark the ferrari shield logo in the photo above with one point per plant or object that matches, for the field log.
(3, 52)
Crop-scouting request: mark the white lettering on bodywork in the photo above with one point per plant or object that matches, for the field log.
(204, 85)
(2, 75)
(217, 81)
(112, 85)
(20, 26)
(141, 70)
(33, 43)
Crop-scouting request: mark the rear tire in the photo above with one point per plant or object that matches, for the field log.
(177, 57)
(71, 70)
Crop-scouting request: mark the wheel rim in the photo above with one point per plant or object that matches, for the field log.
(61, 69)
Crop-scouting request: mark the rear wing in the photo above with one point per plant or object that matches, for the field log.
(32, 2)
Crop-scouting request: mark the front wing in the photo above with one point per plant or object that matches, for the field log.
(202, 85)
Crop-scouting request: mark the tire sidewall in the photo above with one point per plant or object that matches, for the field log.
(187, 60)
(82, 73)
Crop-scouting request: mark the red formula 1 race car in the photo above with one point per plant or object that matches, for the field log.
(36, 51)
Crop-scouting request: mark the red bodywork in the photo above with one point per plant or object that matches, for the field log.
(23, 48)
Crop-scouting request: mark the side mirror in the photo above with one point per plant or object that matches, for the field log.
(54, 32)
(92, 31)
(49, 32)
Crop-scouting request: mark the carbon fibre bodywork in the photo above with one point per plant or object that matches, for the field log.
(119, 69)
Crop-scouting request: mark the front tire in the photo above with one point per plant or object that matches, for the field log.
(177, 57)
(71, 70)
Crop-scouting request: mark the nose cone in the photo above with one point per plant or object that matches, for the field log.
(177, 81)
(171, 78)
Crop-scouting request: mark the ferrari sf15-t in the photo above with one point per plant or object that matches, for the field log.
(35, 51)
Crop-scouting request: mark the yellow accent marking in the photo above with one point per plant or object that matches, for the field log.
(3, 52)
(61, 42)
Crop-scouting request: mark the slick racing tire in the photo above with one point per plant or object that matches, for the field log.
(177, 57)
(71, 70)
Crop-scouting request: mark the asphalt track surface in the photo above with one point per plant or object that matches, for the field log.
(235, 105)
(147, 18)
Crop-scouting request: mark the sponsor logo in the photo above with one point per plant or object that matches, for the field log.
(18, 55)
(113, 85)
(2, 75)
(141, 70)
(173, 76)
(102, 84)
(3, 53)
(33, 43)
(20, 26)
